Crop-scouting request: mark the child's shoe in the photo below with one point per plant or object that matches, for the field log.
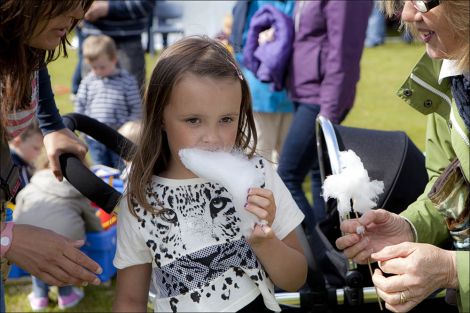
(38, 303)
(72, 299)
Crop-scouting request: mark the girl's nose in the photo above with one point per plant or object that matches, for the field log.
(410, 14)
(211, 140)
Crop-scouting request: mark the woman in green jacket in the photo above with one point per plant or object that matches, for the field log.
(427, 245)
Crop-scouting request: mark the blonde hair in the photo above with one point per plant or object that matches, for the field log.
(131, 130)
(456, 14)
(96, 46)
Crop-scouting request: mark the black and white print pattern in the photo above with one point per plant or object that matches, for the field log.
(201, 261)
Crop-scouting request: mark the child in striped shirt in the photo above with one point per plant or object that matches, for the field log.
(108, 94)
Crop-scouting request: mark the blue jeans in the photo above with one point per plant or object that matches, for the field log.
(102, 155)
(2, 296)
(375, 34)
(41, 289)
(299, 158)
(77, 74)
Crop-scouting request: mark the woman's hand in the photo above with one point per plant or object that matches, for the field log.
(97, 10)
(419, 270)
(261, 203)
(382, 228)
(52, 257)
(61, 141)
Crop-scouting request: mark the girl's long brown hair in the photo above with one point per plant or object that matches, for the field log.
(201, 56)
(18, 61)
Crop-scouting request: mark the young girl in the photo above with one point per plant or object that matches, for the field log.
(184, 231)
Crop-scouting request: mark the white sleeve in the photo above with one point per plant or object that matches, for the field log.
(288, 214)
(130, 248)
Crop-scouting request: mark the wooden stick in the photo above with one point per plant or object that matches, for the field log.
(370, 270)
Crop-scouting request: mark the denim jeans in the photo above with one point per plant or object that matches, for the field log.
(299, 158)
(102, 155)
(375, 34)
(41, 289)
(77, 74)
(2, 296)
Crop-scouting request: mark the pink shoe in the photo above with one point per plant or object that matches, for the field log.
(72, 299)
(38, 303)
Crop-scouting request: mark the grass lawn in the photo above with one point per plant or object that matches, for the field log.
(383, 70)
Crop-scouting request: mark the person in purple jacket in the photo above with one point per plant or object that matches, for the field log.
(324, 71)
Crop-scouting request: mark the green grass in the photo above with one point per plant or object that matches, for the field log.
(383, 70)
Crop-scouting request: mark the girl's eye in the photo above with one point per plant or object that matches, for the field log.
(192, 120)
(227, 119)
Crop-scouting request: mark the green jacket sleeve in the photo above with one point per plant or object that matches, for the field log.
(422, 213)
(463, 272)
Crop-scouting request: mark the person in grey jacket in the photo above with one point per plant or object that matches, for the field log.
(324, 71)
(58, 206)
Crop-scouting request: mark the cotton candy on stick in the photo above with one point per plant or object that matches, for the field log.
(352, 184)
(353, 190)
(234, 171)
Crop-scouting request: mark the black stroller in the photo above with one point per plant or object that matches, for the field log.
(334, 284)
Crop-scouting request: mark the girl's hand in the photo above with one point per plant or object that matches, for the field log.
(61, 141)
(261, 203)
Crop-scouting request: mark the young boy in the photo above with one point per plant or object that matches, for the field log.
(108, 94)
(25, 149)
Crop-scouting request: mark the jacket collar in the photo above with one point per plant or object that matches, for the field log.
(448, 69)
(423, 91)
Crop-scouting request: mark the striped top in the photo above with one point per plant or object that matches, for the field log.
(18, 121)
(112, 100)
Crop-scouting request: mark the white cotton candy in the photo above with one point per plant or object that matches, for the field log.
(352, 183)
(232, 170)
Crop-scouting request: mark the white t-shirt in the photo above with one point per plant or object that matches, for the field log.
(200, 260)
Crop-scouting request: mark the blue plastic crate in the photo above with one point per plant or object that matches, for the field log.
(16, 272)
(101, 247)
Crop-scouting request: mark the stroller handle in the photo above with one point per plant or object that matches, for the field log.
(80, 176)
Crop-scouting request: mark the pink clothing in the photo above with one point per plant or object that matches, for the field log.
(18, 121)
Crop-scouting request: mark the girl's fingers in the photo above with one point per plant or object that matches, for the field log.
(259, 212)
(263, 192)
(259, 201)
